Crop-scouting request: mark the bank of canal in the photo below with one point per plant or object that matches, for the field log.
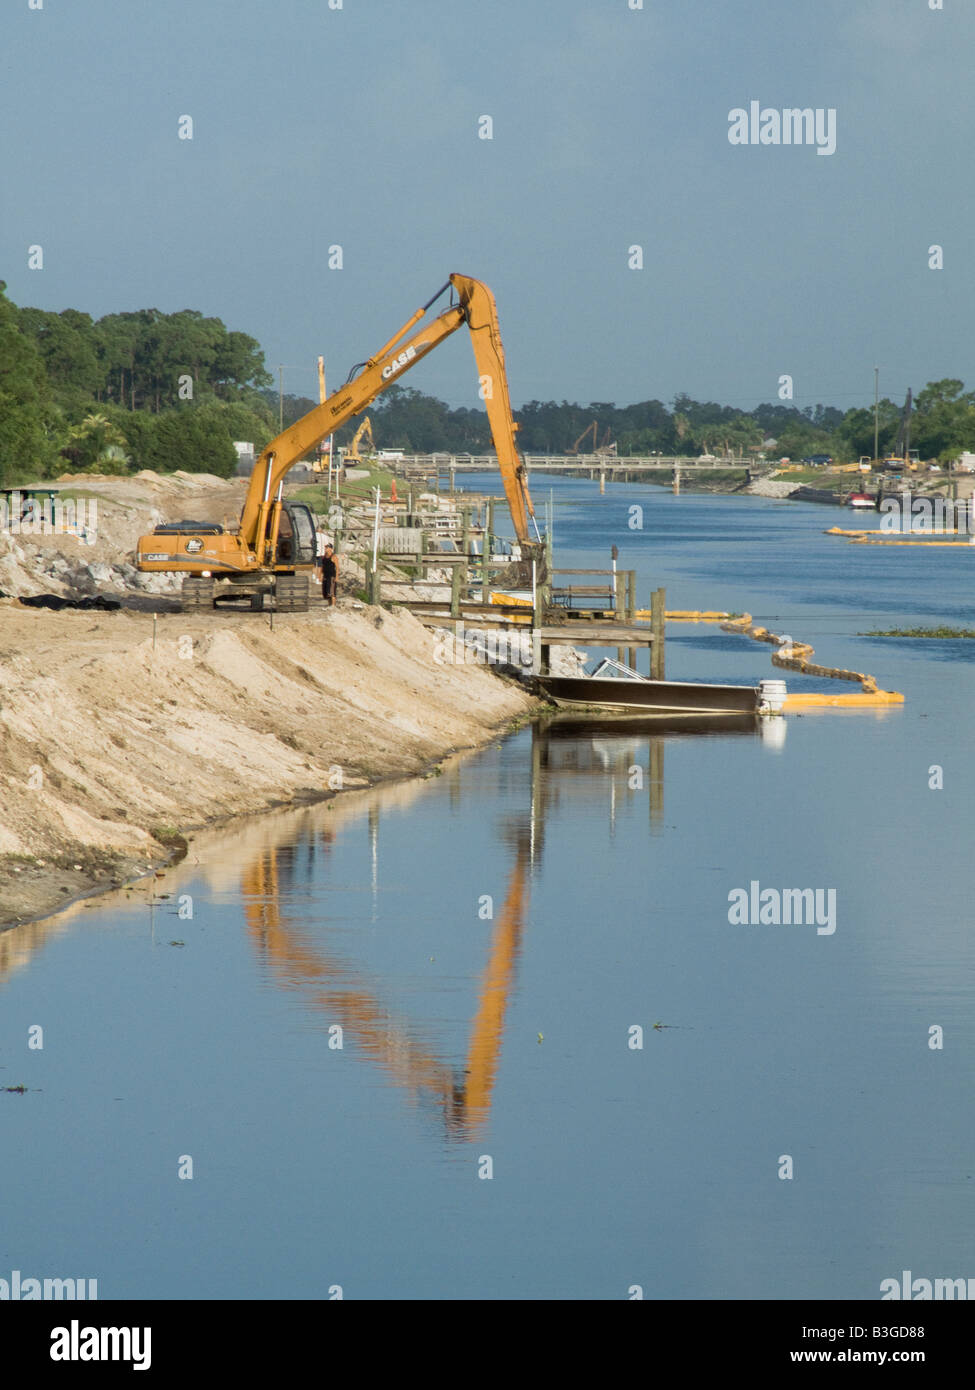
(489, 942)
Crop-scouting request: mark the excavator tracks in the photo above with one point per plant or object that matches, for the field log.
(291, 593)
(196, 594)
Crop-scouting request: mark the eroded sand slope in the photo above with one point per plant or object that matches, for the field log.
(107, 738)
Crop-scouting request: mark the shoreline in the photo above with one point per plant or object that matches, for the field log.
(249, 820)
(266, 720)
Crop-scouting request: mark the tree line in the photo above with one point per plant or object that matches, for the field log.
(125, 392)
(942, 425)
(146, 389)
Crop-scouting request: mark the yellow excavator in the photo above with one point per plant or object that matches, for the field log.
(361, 436)
(597, 448)
(272, 551)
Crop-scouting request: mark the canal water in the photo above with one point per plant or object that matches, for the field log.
(493, 1035)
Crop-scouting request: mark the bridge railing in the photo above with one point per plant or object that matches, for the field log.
(424, 465)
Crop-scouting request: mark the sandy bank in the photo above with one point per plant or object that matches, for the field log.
(113, 745)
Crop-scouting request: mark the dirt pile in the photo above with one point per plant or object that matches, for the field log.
(121, 729)
(84, 542)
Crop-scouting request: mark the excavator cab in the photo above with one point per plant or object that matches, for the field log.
(291, 530)
(296, 536)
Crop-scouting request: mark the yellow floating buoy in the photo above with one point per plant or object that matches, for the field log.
(865, 699)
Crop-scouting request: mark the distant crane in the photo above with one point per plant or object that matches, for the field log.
(605, 448)
(903, 456)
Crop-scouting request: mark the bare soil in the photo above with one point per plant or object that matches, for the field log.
(122, 731)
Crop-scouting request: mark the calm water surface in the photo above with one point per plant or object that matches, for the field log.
(484, 944)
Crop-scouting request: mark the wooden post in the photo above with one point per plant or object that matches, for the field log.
(546, 590)
(455, 576)
(658, 609)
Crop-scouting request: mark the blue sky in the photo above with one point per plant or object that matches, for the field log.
(358, 127)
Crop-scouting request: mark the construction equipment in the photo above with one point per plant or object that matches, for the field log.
(903, 458)
(323, 452)
(362, 434)
(597, 448)
(273, 548)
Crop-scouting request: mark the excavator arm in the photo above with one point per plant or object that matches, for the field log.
(476, 308)
(363, 433)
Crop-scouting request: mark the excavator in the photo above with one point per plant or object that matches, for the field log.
(272, 550)
(902, 457)
(605, 448)
(362, 434)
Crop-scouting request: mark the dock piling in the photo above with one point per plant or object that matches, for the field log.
(658, 610)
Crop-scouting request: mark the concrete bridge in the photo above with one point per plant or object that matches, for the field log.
(601, 466)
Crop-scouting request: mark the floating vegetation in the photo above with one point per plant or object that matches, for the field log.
(943, 632)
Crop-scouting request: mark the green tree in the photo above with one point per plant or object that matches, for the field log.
(238, 363)
(944, 420)
(27, 417)
(857, 429)
(118, 338)
(96, 445)
(195, 440)
(741, 435)
(66, 342)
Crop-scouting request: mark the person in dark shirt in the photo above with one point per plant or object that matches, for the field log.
(330, 574)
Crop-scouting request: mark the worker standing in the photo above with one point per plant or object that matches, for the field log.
(321, 540)
(330, 574)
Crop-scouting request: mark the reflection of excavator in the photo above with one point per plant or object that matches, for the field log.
(347, 998)
(362, 435)
(344, 995)
(273, 548)
(597, 448)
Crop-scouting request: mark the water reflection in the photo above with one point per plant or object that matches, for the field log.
(624, 754)
(278, 866)
(350, 999)
(566, 752)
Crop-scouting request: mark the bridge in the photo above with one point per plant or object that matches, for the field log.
(420, 467)
(580, 463)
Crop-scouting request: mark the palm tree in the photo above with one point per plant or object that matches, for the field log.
(97, 442)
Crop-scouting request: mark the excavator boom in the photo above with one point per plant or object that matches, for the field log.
(476, 308)
(273, 549)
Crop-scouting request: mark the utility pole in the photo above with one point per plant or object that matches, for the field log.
(876, 412)
(280, 397)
